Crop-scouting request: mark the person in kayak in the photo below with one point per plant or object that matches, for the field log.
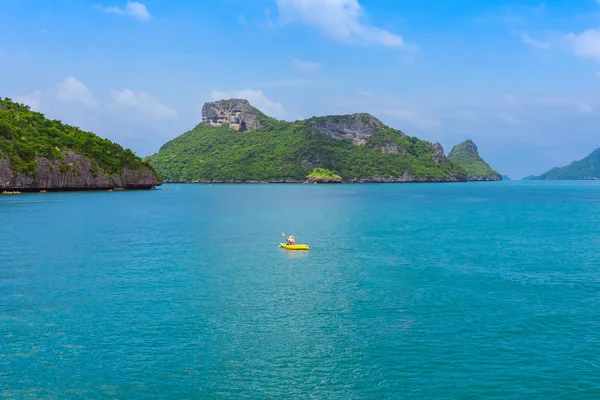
(291, 241)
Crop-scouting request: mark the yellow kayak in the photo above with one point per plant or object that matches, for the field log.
(294, 246)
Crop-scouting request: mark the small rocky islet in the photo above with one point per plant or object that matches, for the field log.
(235, 142)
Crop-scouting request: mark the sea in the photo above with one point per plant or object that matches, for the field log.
(409, 291)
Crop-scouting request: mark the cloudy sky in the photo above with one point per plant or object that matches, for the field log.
(522, 79)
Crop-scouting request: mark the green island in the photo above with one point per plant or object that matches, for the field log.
(585, 169)
(467, 155)
(36, 152)
(235, 142)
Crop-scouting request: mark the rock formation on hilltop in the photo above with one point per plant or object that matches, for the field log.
(351, 148)
(47, 154)
(356, 128)
(466, 155)
(238, 114)
(585, 169)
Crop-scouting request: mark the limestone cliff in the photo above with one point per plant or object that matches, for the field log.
(238, 114)
(357, 128)
(74, 172)
(438, 152)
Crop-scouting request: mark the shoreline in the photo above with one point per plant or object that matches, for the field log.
(289, 182)
(72, 189)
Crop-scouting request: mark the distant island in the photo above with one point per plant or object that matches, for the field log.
(235, 142)
(528, 178)
(41, 154)
(585, 169)
(466, 155)
(506, 178)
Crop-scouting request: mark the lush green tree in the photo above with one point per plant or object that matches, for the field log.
(281, 150)
(26, 135)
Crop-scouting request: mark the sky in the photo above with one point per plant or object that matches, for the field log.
(521, 79)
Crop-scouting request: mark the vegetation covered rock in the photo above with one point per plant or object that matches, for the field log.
(466, 155)
(38, 153)
(358, 147)
(322, 175)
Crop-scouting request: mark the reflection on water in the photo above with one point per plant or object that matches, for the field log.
(290, 254)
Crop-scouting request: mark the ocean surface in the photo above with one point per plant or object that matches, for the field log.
(416, 291)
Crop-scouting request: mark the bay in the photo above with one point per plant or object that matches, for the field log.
(472, 290)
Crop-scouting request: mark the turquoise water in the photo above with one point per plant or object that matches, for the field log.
(428, 291)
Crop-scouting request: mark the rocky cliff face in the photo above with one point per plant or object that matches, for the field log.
(438, 152)
(73, 173)
(356, 128)
(236, 113)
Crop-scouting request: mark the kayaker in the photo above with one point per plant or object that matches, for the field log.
(290, 240)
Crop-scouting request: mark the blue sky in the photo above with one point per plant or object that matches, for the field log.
(522, 79)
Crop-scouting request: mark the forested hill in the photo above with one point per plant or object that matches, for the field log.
(39, 153)
(587, 168)
(235, 142)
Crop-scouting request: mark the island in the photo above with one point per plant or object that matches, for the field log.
(585, 169)
(39, 154)
(466, 154)
(236, 142)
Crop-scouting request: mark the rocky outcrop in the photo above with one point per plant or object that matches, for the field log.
(238, 114)
(312, 179)
(438, 152)
(74, 172)
(390, 148)
(467, 156)
(2, 107)
(357, 128)
(405, 178)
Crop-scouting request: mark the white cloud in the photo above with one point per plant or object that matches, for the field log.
(256, 97)
(340, 20)
(72, 91)
(143, 102)
(528, 40)
(33, 100)
(586, 44)
(242, 20)
(132, 8)
(307, 65)
(364, 93)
